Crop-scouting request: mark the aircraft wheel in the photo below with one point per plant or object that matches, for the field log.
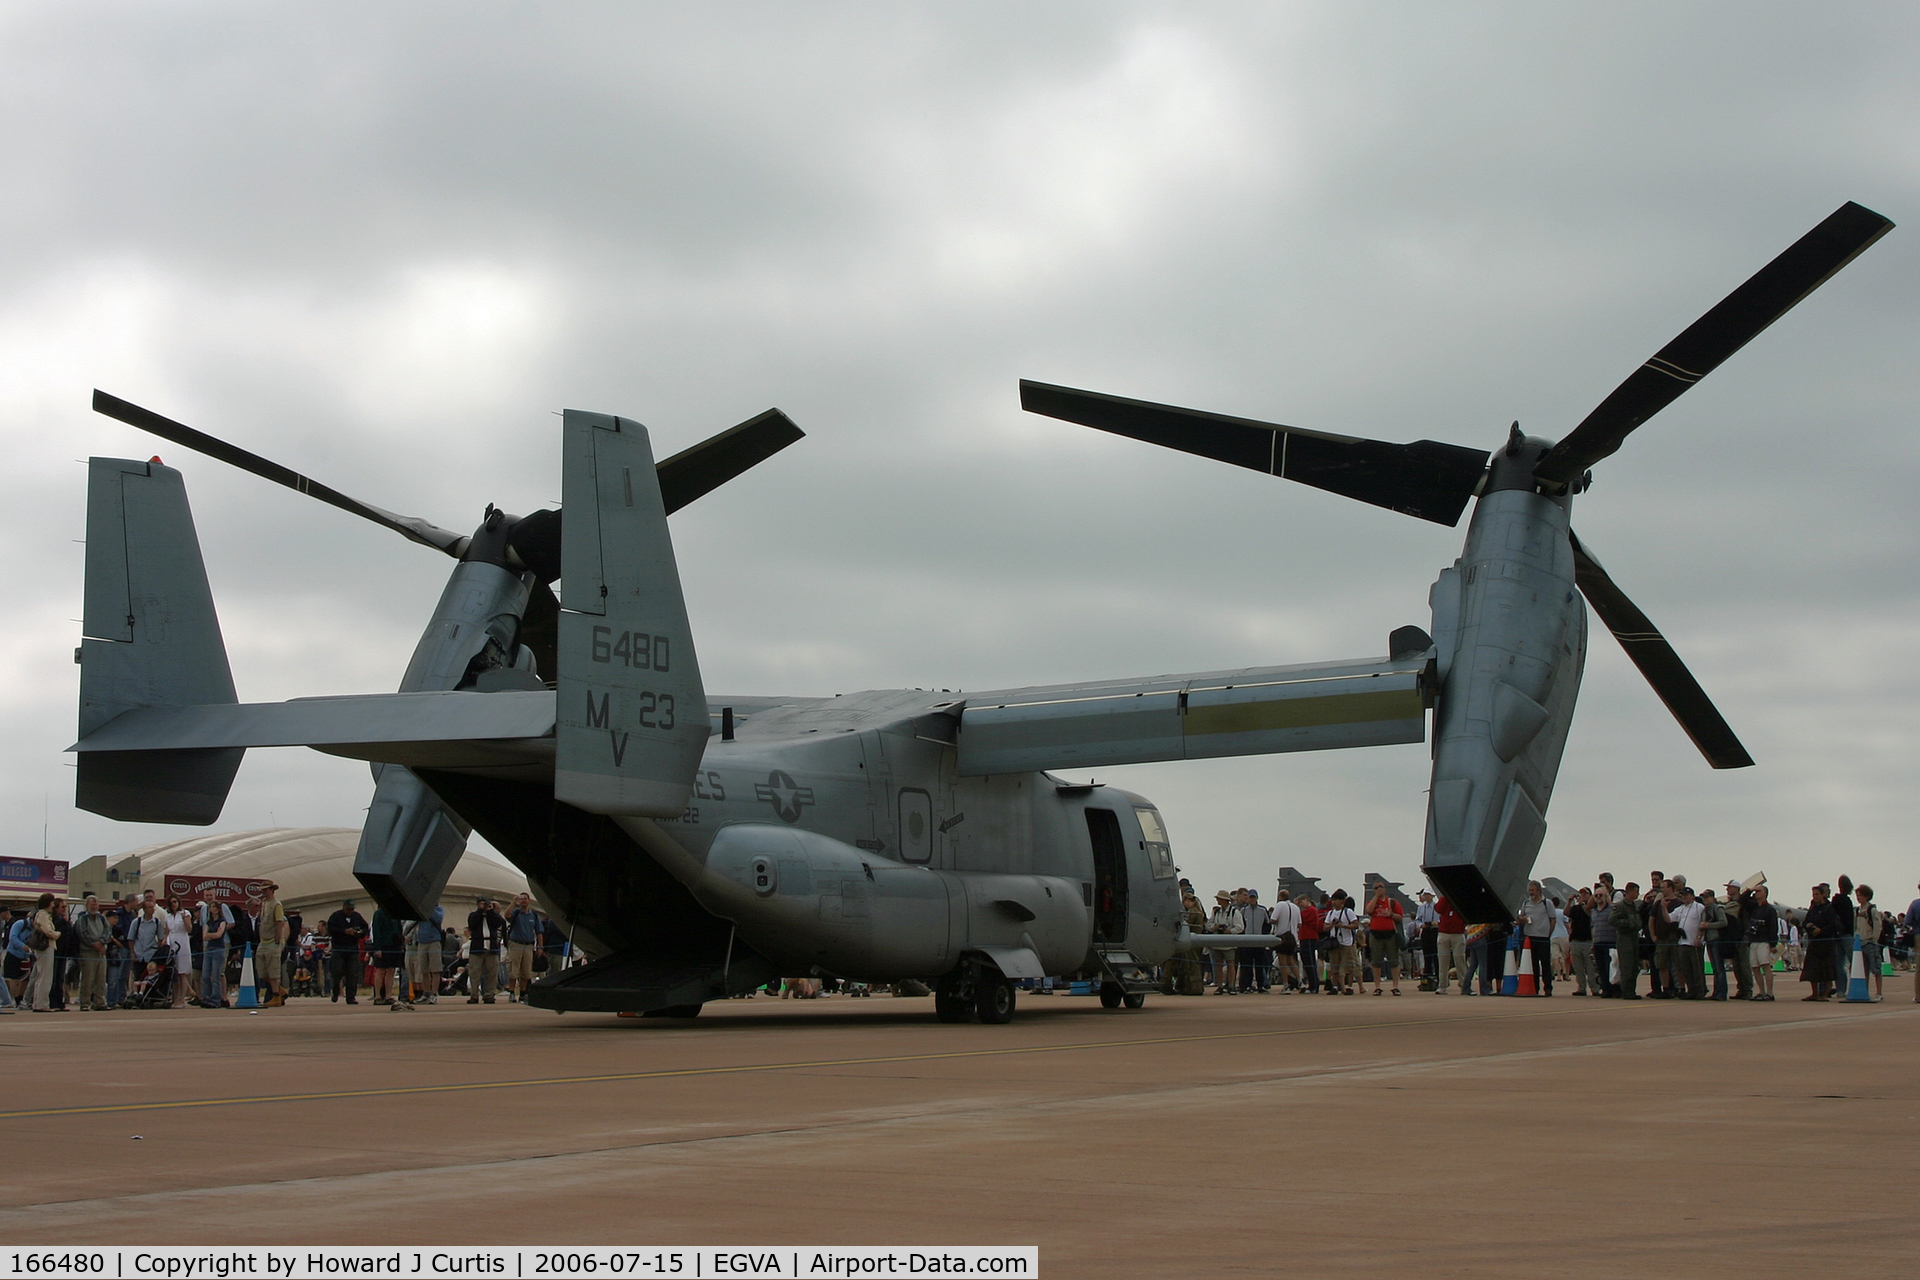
(1136, 999)
(993, 999)
(949, 1008)
(682, 1011)
(1111, 995)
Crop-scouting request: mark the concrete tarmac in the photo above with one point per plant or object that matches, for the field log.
(1212, 1136)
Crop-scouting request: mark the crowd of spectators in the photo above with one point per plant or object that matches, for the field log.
(145, 952)
(1603, 942)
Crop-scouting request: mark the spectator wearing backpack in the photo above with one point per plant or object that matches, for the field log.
(40, 935)
(1867, 921)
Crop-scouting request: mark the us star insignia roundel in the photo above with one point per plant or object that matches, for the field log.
(786, 798)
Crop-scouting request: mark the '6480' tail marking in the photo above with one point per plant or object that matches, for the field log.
(656, 712)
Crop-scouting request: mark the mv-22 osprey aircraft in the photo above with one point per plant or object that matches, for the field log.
(702, 846)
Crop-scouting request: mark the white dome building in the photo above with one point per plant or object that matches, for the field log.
(312, 865)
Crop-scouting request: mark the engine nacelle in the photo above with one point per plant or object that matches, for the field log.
(809, 902)
(1510, 631)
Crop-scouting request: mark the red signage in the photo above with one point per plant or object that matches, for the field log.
(41, 874)
(232, 892)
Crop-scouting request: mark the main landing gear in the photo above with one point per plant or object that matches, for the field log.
(974, 990)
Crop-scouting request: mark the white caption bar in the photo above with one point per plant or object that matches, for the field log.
(450, 1262)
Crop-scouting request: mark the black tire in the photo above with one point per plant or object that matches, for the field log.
(993, 1000)
(1135, 999)
(1111, 994)
(951, 1008)
(682, 1011)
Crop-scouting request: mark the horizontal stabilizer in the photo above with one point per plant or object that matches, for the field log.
(1255, 711)
(423, 729)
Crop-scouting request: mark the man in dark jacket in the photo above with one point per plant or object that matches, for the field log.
(1762, 926)
(345, 928)
(1625, 917)
(486, 927)
(1820, 930)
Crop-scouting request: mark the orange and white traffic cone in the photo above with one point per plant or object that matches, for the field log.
(1524, 986)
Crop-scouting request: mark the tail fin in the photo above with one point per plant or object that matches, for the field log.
(632, 716)
(150, 639)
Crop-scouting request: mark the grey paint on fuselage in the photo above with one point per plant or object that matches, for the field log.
(859, 769)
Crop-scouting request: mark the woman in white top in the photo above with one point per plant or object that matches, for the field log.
(180, 938)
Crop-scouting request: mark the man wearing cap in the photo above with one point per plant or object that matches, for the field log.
(271, 948)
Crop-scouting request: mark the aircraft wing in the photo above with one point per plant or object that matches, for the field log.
(1314, 707)
(441, 730)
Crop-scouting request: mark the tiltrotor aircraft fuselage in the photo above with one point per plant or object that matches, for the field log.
(700, 845)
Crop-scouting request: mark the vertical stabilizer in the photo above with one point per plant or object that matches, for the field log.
(150, 639)
(632, 720)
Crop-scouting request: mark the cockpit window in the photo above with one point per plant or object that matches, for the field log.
(1153, 834)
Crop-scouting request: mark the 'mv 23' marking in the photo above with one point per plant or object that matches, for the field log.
(656, 712)
(634, 649)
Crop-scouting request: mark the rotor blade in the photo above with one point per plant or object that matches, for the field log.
(1772, 292)
(1426, 478)
(695, 472)
(1658, 662)
(167, 429)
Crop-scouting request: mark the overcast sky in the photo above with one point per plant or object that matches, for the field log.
(381, 244)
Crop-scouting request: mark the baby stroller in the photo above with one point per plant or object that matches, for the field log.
(153, 989)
